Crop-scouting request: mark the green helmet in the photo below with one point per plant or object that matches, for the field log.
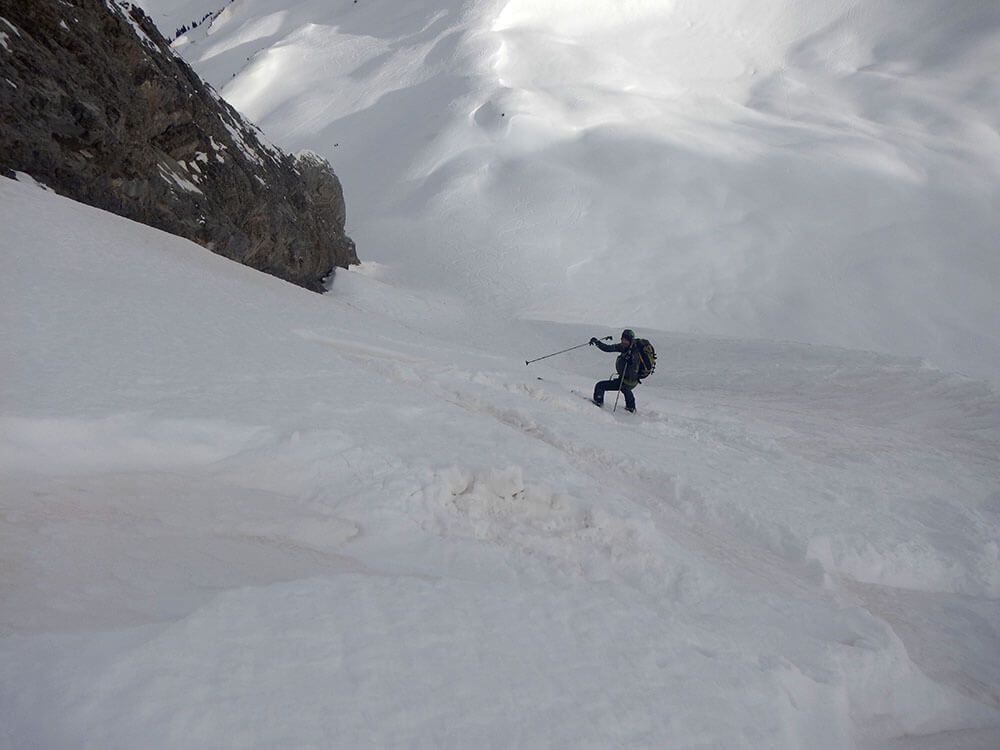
(629, 334)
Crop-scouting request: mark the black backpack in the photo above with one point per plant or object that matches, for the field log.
(647, 358)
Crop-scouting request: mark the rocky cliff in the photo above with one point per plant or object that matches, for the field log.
(95, 104)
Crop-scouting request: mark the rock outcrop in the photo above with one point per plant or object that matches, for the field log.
(95, 104)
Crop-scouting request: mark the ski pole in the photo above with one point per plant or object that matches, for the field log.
(621, 379)
(529, 361)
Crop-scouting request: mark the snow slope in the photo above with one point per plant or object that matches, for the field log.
(824, 172)
(237, 514)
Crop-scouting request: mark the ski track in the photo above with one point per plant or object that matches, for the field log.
(659, 488)
(776, 563)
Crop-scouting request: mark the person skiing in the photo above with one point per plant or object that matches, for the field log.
(627, 366)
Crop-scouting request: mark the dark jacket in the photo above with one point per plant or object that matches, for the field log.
(627, 364)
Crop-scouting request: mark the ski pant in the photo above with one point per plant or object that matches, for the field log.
(612, 385)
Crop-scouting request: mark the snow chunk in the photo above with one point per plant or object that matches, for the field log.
(192, 168)
(497, 505)
(4, 36)
(218, 148)
(183, 183)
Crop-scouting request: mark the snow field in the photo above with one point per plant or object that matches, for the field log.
(821, 172)
(236, 513)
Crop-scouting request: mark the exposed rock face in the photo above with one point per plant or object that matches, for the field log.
(95, 104)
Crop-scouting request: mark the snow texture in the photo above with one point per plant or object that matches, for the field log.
(824, 172)
(237, 514)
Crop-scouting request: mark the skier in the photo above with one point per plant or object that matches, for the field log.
(627, 366)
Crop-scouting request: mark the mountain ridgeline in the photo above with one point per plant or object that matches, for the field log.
(95, 105)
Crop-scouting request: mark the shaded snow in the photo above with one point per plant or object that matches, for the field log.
(171, 177)
(238, 514)
(4, 37)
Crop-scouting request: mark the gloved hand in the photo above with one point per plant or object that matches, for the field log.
(593, 341)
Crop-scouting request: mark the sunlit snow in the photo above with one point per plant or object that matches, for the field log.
(823, 172)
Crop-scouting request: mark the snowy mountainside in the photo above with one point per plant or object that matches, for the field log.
(96, 105)
(237, 514)
(823, 172)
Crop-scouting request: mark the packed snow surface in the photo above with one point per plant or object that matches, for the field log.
(824, 171)
(237, 514)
